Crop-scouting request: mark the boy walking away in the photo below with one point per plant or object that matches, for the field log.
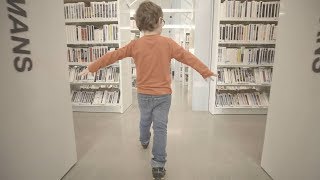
(152, 55)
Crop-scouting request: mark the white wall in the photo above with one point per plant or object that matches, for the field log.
(36, 129)
(292, 141)
(202, 45)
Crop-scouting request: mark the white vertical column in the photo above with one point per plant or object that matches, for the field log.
(37, 139)
(202, 44)
(292, 139)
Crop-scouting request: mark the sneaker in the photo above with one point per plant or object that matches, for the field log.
(158, 173)
(145, 146)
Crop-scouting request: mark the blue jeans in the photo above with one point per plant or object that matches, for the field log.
(155, 109)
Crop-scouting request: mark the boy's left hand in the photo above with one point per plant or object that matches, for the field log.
(84, 72)
(211, 78)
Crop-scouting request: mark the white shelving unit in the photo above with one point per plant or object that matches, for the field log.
(182, 72)
(124, 82)
(238, 89)
(185, 72)
(134, 74)
(135, 34)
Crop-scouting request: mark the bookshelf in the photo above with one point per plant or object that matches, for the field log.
(184, 72)
(243, 56)
(134, 74)
(135, 34)
(184, 69)
(93, 29)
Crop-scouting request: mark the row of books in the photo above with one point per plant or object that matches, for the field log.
(98, 87)
(103, 9)
(134, 71)
(186, 78)
(241, 99)
(90, 33)
(95, 97)
(244, 75)
(134, 83)
(251, 32)
(85, 55)
(109, 74)
(250, 9)
(133, 24)
(187, 37)
(247, 56)
(239, 88)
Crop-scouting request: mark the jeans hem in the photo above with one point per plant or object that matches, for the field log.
(156, 164)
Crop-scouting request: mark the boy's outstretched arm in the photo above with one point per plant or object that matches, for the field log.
(109, 58)
(181, 55)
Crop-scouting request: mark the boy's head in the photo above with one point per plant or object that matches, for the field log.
(149, 17)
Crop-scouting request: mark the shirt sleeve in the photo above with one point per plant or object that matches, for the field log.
(181, 55)
(112, 57)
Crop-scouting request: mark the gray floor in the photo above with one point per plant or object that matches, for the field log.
(200, 146)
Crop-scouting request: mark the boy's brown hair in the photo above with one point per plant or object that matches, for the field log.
(147, 16)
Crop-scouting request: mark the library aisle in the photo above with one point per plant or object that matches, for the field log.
(200, 146)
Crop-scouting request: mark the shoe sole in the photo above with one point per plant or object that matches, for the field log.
(159, 178)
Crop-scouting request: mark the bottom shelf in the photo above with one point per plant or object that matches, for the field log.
(97, 108)
(240, 110)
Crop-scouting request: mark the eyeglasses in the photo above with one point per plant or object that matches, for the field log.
(163, 21)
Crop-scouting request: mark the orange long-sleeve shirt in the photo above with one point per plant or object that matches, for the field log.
(152, 55)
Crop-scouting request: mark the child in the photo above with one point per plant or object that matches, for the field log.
(152, 55)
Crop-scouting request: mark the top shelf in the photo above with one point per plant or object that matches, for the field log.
(247, 42)
(116, 42)
(274, 20)
(92, 20)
